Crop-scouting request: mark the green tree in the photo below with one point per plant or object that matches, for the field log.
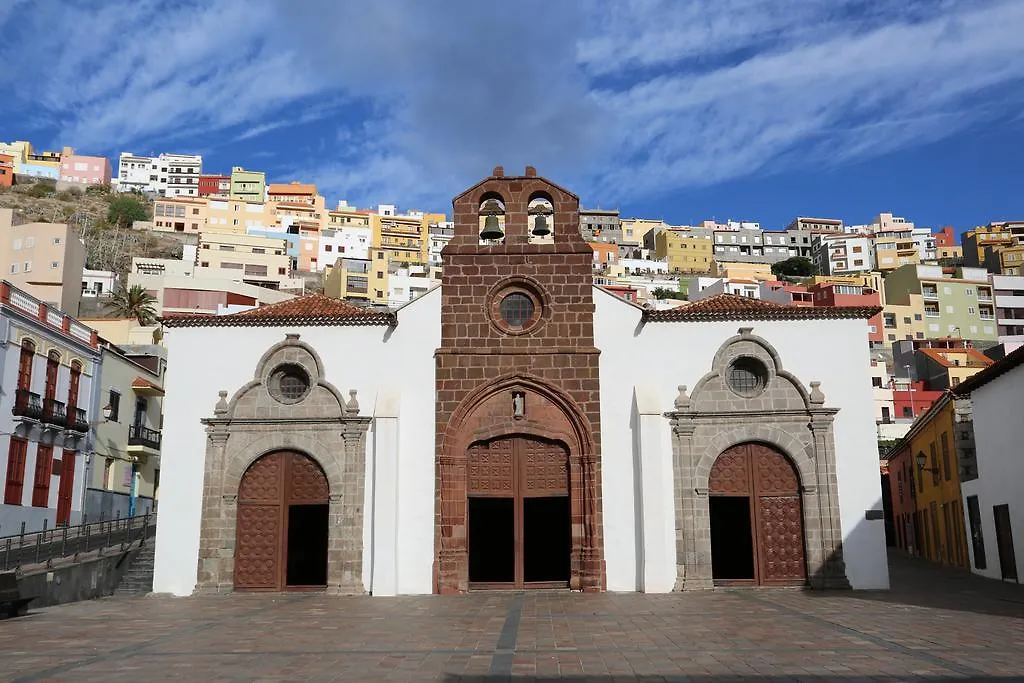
(125, 210)
(134, 302)
(794, 266)
(666, 293)
(41, 190)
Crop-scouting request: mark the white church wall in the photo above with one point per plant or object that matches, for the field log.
(660, 356)
(369, 359)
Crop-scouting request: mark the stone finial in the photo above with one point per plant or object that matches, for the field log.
(817, 398)
(498, 172)
(682, 400)
(352, 405)
(531, 172)
(746, 331)
(222, 405)
(291, 336)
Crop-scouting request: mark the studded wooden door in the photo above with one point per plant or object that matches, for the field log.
(769, 481)
(521, 469)
(268, 488)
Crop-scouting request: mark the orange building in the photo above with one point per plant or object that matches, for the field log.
(605, 254)
(6, 170)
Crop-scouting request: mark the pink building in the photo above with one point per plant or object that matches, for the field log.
(84, 170)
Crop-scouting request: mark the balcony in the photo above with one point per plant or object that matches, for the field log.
(143, 439)
(28, 404)
(77, 421)
(54, 412)
(930, 292)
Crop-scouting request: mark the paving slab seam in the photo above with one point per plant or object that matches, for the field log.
(501, 660)
(45, 674)
(882, 642)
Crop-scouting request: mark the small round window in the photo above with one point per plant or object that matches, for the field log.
(517, 309)
(289, 383)
(747, 376)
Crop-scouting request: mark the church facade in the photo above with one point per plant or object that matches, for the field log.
(518, 427)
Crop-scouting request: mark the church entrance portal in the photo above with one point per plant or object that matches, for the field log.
(757, 534)
(281, 538)
(519, 528)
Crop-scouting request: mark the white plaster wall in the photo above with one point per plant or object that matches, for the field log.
(998, 435)
(660, 356)
(369, 359)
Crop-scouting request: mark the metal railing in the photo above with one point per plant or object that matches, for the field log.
(70, 541)
(77, 420)
(139, 435)
(28, 404)
(54, 412)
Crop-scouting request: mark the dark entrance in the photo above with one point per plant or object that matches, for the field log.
(282, 527)
(519, 519)
(1004, 543)
(757, 534)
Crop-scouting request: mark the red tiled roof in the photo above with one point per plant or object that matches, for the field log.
(312, 310)
(733, 307)
(997, 369)
(143, 383)
(975, 358)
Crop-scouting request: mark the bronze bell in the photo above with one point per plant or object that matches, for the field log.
(492, 231)
(540, 226)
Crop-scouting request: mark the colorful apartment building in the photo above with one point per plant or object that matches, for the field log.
(303, 193)
(1009, 300)
(685, 251)
(924, 479)
(238, 215)
(957, 301)
(983, 241)
(348, 278)
(832, 295)
(249, 186)
(254, 260)
(905, 321)
(945, 368)
(47, 407)
(398, 241)
(214, 185)
(600, 225)
(79, 169)
(911, 398)
(165, 175)
(44, 259)
(605, 254)
(841, 254)
(180, 215)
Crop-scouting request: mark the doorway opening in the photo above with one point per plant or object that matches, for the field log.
(547, 542)
(492, 547)
(307, 545)
(732, 547)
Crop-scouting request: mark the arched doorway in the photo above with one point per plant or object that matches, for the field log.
(519, 517)
(757, 532)
(281, 533)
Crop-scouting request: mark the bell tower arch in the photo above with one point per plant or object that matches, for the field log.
(517, 358)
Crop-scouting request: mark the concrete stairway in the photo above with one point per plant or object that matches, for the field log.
(138, 580)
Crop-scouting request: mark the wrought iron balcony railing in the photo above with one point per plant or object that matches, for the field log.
(144, 436)
(28, 404)
(54, 412)
(77, 421)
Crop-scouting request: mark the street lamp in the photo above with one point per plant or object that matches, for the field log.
(921, 460)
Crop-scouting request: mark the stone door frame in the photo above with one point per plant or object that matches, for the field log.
(322, 427)
(786, 417)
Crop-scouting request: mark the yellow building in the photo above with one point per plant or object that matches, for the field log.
(238, 216)
(985, 241)
(952, 251)
(902, 322)
(684, 251)
(895, 248)
(734, 270)
(294, 191)
(1011, 259)
(346, 216)
(261, 261)
(348, 278)
(925, 464)
(635, 229)
(250, 186)
(397, 242)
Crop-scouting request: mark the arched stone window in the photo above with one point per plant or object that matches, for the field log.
(541, 210)
(492, 218)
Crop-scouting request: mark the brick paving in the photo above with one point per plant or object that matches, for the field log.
(935, 624)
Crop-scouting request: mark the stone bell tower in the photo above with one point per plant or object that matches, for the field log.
(518, 392)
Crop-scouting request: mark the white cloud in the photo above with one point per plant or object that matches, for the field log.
(619, 100)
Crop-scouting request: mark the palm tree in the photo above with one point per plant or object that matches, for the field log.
(134, 302)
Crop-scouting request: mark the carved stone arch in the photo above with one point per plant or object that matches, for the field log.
(318, 425)
(487, 413)
(784, 415)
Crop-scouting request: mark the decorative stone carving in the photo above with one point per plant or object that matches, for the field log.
(682, 401)
(352, 405)
(222, 405)
(785, 416)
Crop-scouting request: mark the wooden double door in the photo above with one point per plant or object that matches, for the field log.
(519, 512)
(757, 530)
(282, 525)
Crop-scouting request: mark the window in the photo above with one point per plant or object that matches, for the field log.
(289, 383)
(908, 411)
(75, 380)
(114, 401)
(935, 464)
(944, 440)
(282, 271)
(31, 242)
(14, 268)
(16, 453)
(876, 381)
(54, 265)
(52, 366)
(906, 321)
(27, 266)
(747, 376)
(917, 316)
(44, 469)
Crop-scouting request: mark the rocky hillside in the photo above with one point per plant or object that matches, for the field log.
(108, 247)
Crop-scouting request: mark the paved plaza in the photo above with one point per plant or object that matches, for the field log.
(935, 624)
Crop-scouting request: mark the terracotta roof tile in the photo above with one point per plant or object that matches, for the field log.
(311, 310)
(997, 369)
(143, 383)
(733, 307)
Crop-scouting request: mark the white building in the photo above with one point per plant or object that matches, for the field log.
(843, 254)
(349, 242)
(924, 240)
(98, 282)
(993, 506)
(439, 235)
(47, 408)
(705, 287)
(407, 284)
(1009, 301)
(166, 175)
(407, 429)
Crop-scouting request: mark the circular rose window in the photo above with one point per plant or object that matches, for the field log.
(289, 383)
(517, 309)
(747, 376)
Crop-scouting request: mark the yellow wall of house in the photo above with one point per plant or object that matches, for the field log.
(684, 253)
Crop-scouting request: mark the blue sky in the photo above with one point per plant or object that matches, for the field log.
(744, 109)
